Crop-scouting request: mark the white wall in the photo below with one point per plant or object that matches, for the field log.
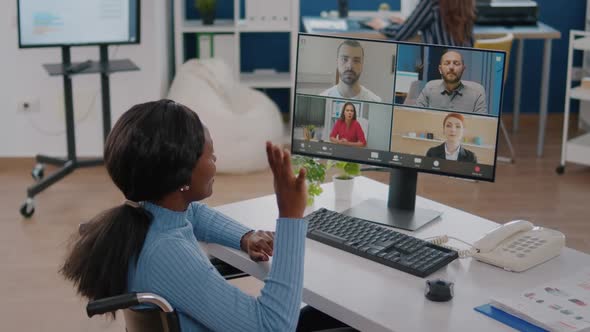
(22, 77)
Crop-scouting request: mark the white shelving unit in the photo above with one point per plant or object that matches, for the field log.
(575, 150)
(236, 27)
(584, 115)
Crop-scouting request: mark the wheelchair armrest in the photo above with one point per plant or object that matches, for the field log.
(125, 301)
(112, 303)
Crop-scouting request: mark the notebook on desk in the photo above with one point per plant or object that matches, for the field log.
(560, 305)
(508, 319)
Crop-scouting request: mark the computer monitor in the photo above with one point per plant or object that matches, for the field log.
(405, 106)
(43, 23)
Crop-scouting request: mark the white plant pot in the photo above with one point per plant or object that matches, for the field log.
(343, 188)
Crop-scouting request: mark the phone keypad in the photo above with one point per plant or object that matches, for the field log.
(524, 245)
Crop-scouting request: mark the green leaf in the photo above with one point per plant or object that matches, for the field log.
(352, 169)
(348, 169)
(316, 172)
(314, 189)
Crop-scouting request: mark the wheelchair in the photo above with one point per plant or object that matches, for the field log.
(161, 318)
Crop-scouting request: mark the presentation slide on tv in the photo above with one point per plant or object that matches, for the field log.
(68, 22)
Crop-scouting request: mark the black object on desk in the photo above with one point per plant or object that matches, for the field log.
(438, 290)
(71, 162)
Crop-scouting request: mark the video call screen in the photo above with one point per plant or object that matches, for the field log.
(427, 107)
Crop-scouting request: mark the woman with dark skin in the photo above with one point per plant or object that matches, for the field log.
(161, 157)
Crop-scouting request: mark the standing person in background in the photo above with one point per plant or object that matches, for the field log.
(443, 22)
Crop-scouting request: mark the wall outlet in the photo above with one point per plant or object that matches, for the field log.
(29, 105)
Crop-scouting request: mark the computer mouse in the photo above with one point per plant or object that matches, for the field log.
(438, 290)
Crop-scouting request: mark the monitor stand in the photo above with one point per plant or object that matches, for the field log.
(400, 210)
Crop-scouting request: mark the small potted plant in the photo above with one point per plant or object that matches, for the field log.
(344, 180)
(207, 10)
(315, 176)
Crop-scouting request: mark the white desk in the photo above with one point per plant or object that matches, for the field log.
(373, 297)
(521, 33)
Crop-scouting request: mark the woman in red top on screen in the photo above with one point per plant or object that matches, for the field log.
(347, 130)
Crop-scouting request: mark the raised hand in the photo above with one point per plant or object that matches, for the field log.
(395, 19)
(377, 23)
(291, 191)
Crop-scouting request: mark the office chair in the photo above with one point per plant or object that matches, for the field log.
(503, 43)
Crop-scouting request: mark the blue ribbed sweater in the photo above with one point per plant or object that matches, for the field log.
(172, 264)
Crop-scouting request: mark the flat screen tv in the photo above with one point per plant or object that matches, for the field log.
(54, 23)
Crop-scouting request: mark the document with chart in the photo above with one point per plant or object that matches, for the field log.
(560, 305)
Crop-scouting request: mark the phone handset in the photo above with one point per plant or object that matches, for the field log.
(491, 239)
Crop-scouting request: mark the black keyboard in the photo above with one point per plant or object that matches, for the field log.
(378, 243)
